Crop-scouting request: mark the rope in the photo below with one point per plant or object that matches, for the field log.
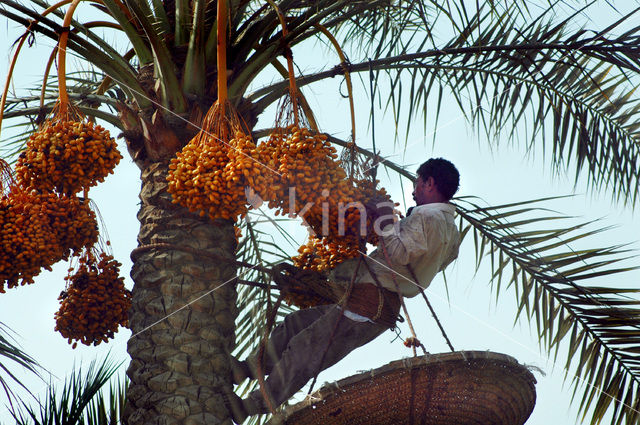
(414, 341)
(137, 252)
(345, 297)
(380, 287)
(260, 366)
(433, 313)
(341, 303)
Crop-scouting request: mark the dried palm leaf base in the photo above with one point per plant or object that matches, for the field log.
(472, 387)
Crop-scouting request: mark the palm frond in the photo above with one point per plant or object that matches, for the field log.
(257, 246)
(69, 405)
(523, 79)
(133, 34)
(12, 354)
(94, 50)
(554, 289)
(107, 407)
(575, 88)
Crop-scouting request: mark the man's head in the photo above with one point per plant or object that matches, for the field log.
(438, 180)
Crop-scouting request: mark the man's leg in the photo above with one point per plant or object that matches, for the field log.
(303, 357)
(278, 340)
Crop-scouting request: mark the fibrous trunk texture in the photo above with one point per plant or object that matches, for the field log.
(182, 318)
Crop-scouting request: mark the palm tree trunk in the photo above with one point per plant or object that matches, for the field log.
(182, 318)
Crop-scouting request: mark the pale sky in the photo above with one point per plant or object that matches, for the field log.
(471, 315)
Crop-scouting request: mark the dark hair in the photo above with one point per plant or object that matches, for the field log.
(444, 173)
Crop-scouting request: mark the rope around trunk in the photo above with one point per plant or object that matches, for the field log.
(196, 251)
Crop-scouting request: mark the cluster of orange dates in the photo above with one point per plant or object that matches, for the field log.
(38, 230)
(43, 221)
(95, 302)
(209, 175)
(67, 156)
(296, 171)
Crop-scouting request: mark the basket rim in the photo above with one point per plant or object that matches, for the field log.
(332, 388)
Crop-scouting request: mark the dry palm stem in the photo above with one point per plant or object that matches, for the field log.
(7, 179)
(9, 74)
(347, 76)
(304, 105)
(350, 155)
(103, 86)
(222, 54)
(293, 88)
(62, 58)
(21, 41)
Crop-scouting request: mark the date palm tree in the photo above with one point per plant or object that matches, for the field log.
(510, 66)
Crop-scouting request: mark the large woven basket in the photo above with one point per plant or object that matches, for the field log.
(472, 387)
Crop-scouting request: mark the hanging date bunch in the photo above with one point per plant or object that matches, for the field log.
(68, 154)
(211, 172)
(301, 163)
(74, 222)
(39, 229)
(356, 226)
(323, 252)
(341, 224)
(28, 242)
(95, 302)
(321, 256)
(348, 232)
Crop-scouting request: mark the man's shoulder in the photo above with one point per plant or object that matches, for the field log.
(439, 216)
(436, 210)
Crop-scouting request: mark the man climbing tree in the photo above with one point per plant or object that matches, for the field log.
(411, 252)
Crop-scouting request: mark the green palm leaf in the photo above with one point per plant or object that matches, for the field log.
(10, 353)
(79, 401)
(506, 76)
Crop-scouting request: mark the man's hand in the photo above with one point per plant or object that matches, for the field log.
(380, 212)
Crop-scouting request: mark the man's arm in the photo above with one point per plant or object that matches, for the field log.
(408, 238)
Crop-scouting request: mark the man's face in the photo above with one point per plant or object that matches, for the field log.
(422, 190)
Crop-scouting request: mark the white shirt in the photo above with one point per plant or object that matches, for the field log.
(427, 240)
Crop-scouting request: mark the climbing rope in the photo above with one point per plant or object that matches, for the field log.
(341, 303)
(433, 313)
(414, 341)
(271, 315)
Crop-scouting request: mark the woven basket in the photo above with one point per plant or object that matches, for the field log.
(473, 387)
